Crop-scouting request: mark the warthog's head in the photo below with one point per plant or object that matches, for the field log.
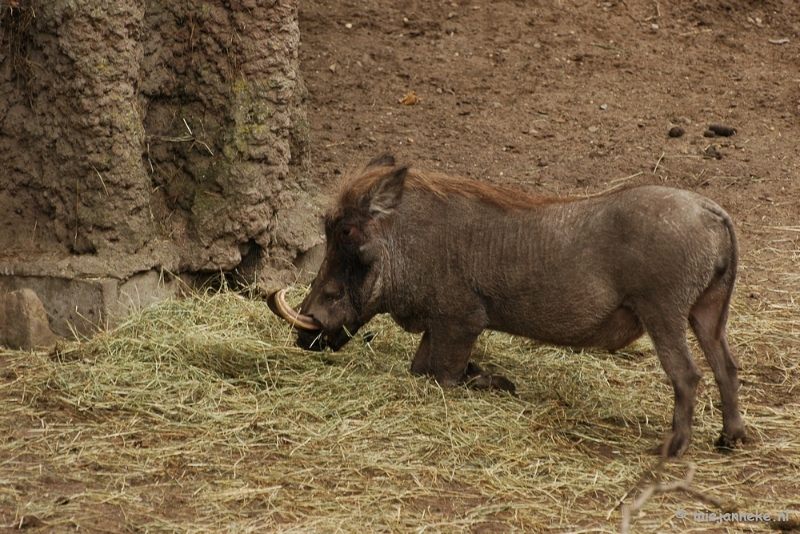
(348, 288)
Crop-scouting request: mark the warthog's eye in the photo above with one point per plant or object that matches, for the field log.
(350, 236)
(347, 235)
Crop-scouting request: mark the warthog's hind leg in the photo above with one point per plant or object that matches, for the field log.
(704, 319)
(676, 359)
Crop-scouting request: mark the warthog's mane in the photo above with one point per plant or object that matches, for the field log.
(353, 187)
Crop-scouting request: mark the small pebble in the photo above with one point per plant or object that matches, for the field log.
(348, 26)
(676, 131)
(604, 106)
(709, 133)
(593, 129)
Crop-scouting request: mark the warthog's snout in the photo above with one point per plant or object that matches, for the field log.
(311, 335)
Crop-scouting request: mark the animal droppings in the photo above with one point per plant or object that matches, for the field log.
(724, 131)
(676, 131)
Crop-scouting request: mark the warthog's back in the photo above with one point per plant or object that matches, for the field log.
(550, 271)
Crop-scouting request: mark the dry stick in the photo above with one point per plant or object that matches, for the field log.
(183, 139)
(697, 182)
(785, 228)
(77, 221)
(658, 12)
(658, 162)
(194, 139)
(101, 179)
(628, 11)
(607, 47)
(615, 180)
(660, 487)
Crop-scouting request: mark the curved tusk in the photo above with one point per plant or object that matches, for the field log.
(276, 301)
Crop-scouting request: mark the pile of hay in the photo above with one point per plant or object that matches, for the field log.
(199, 415)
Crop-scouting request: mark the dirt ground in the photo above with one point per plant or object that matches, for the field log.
(571, 97)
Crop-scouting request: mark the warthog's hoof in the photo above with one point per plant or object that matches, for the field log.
(674, 446)
(477, 378)
(726, 443)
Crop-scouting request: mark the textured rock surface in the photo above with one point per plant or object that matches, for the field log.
(172, 131)
(139, 136)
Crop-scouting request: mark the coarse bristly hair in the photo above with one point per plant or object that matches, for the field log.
(355, 185)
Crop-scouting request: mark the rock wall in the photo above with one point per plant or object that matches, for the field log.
(139, 135)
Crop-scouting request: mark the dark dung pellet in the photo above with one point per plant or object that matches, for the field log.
(724, 131)
(676, 131)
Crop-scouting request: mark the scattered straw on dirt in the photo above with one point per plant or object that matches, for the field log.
(199, 415)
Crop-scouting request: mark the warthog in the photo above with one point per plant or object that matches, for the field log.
(448, 257)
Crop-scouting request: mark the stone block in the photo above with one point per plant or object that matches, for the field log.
(23, 321)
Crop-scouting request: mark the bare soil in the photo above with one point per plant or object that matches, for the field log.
(569, 97)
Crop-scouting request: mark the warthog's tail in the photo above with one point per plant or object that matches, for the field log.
(731, 269)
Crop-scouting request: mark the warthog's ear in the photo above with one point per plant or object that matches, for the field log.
(385, 195)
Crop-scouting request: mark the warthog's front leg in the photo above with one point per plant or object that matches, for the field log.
(421, 365)
(444, 354)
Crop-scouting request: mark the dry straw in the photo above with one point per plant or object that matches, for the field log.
(199, 415)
